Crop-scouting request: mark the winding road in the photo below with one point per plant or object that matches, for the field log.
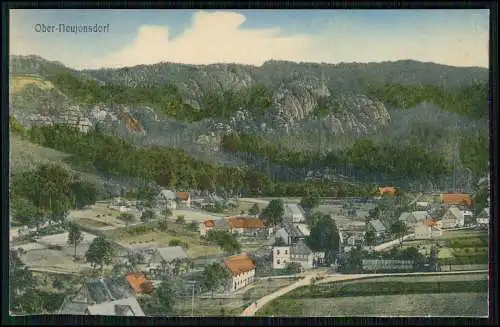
(254, 307)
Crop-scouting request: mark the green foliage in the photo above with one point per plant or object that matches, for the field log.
(254, 210)
(100, 252)
(395, 160)
(15, 127)
(163, 225)
(176, 242)
(226, 241)
(324, 237)
(147, 216)
(215, 277)
(180, 219)
(370, 237)
(471, 101)
(309, 202)
(481, 199)
(387, 288)
(273, 213)
(474, 153)
(126, 217)
(293, 268)
(75, 236)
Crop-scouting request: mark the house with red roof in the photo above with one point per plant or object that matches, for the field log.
(387, 190)
(242, 270)
(183, 199)
(456, 199)
(249, 226)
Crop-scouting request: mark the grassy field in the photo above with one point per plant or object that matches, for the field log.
(443, 304)
(18, 82)
(264, 287)
(450, 295)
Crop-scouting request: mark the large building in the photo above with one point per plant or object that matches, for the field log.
(294, 213)
(454, 217)
(296, 253)
(242, 270)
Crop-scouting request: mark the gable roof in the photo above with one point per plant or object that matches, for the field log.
(429, 222)
(377, 225)
(136, 280)
(294, 209)
(208, 223)
(387, 189)
(456, 198)
(171, 253)
(117, 308)
(420, 215)
(300, 248)
(459, 214)
(167, 194)
(240, 263)
(183, 196)
(404, 216)
(245, 222)
(105, 289)
(292, 230)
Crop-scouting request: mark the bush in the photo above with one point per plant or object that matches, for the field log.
(180, 219)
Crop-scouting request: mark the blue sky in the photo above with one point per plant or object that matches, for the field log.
(451, 37)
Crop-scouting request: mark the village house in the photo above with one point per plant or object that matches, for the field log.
(389, 190)
(170, 260)
(411, 219)
(422, 205)
(167, 198)
(139, 283)
(296, 253)
(247, 226)
(456, 199)
(291, 233)
(213, 224)
(427, 229)
(376, 227)
(242, 270)
(483, 219)
(102, 296)
(454, 217)
(295, 213)
(183, 200)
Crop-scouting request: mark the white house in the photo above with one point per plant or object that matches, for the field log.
(296, 253)
(294, 212)
(422, 205)
(242, 270)
(183, 199)
(411, 219)
(454, 217)
(483, 219)
(168, 198)
(427, 229)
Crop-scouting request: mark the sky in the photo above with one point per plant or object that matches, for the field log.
(135, 37)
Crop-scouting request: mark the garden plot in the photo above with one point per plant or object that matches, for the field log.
(99, 216)
(47, 259)
(60, 241)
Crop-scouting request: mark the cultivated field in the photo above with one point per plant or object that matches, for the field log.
(445, 304)
(456, 247)
(150, 233)
(445, 295)
(99, 216)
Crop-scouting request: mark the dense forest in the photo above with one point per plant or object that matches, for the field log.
(470, 101)
(404, 161)
(170, 167)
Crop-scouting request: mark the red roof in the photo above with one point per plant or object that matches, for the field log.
(137, 281)
(387, 189)
(430, 222)
(184, 196)
(245, 222)
(209, 223)
(240, 263)
(456, 198)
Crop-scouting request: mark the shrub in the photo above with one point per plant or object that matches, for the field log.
(180, 219)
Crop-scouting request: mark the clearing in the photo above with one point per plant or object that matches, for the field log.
(18, 82)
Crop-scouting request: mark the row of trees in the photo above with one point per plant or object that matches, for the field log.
(391, 160)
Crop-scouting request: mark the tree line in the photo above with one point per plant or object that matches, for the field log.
(172, 167)
(392, 160)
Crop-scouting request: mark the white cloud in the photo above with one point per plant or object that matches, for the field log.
(218, 37)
